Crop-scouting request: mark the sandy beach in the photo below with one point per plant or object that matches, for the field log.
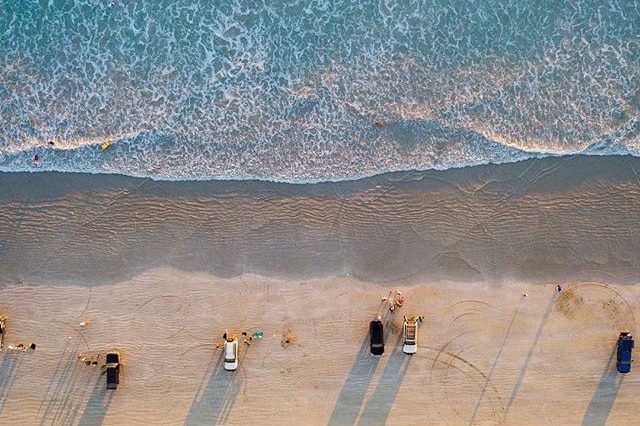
(161, 269)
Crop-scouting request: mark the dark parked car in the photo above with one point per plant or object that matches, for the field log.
(623, 352)
(376, 337)
(113, 369)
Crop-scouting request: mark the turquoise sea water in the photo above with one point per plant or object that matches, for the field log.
(292, 90)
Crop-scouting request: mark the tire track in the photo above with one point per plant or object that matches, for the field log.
(473, 372)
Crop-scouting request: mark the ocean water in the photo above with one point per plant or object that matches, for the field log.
(313, 90)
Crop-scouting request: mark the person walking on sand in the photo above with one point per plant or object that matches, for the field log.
(559, 288)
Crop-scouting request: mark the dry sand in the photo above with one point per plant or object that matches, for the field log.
(162, 269)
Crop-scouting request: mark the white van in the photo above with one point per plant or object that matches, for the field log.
(231, 354)
(410, 335)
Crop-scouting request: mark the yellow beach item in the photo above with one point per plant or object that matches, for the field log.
(105, 145)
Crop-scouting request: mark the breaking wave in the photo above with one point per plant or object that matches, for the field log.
(313, 91)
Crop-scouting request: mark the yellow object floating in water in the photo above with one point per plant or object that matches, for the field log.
(105, 145)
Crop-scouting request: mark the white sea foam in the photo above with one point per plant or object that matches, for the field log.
(292, 91)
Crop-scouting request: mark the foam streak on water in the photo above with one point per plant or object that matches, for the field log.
(290, 90)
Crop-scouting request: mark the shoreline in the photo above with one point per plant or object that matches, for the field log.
(393, 175)
(534, 221)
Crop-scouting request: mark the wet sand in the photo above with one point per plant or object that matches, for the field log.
(161, 269)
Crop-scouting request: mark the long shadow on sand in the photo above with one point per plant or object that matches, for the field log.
(355, 388)
(69, 383)
(213, 405)
(97, 405)
(378, 407)
(495, 363)
(525, 366)
(8, 368)
(604, 396)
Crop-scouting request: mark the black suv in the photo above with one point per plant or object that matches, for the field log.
(113, 369)
(376, 337)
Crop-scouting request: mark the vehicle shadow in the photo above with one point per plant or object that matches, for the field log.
(8, 368)
(98, 404)
(378, 407)
(61, 391)
(213, 404)
(525, 366)
(355, 387)
(605, 395)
